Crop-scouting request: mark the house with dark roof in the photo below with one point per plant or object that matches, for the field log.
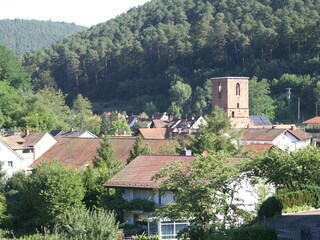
(57, 134)
(283, 136)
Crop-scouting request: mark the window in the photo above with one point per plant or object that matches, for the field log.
(238, 89)
(219, 90)
(232, 114)
(27, 151)
(10, 164)
(238, 105)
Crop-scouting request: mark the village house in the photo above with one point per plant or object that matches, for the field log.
(11, 161)
(312, 126)
(29, 146)
(135, 179)
(284, 137)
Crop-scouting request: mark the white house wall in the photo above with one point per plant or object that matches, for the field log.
(46, 142)
(6, 155)
(287, 141)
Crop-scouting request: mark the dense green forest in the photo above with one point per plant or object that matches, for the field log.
(139, 56)
(27, 35)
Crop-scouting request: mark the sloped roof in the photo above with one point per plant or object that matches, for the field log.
(270, 134)
(300, 134)
(257, 148)
(259, 120)
(138, 173)
(78, 152)
(33, 138)
(154, 133)
(314, 120)
(261, 134)
(13, 141)
(71, 152)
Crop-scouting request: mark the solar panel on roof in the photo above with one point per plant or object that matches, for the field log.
(259, 120)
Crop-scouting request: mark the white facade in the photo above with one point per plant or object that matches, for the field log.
(148, 194)
(46, 142)
(12, 162)
(285, 141)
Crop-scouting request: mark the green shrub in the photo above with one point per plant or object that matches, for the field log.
(144, 237)
(81, 224)
(316, 192)
(297, 198)
(270, 207)
(253, 233)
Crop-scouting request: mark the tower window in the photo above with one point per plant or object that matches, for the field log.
(232, 114)
(238, 105)
(219, 90)
(238, 89)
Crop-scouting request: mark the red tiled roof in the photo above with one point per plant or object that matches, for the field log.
(314, 120)
(78, 152)
(154, 133)
(138, 173)
(257, 148)
(71, 152)
(300, 134)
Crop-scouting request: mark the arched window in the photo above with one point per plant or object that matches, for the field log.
(238, 89)
(220, 90)
(232, 114)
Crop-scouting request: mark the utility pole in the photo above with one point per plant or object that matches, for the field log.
(298, 110)
(289, 96)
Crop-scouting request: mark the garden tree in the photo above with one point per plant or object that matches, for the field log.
(93, 179)
(286, 169)
(106, 158)
(260, 102)
(114, 124)
(204, 193)
(82, 110)
(94, 124)
(11, 106)
(202, 98)
(41, 198)
(217, 135)
(12, 71)
(82, 224)
(179, 92)
(139, 149)
(46, 110)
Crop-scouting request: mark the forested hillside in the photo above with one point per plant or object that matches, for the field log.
(26, 35)
(160, 56)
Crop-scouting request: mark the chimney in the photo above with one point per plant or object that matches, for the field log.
(26, 132)
(293, 127)
(186, 153)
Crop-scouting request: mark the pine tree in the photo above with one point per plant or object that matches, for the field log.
(106, 158)
(139, 149)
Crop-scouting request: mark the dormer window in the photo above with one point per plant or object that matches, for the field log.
(238, 89)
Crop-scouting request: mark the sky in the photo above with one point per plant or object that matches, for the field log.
(81, 12)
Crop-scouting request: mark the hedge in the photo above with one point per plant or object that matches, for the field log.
(253, 233)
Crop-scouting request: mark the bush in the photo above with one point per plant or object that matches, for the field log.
(81, 224)
(297, 198)
(270, 207)
(253, 233)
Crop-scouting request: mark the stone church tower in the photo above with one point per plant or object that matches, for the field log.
(232, 95)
